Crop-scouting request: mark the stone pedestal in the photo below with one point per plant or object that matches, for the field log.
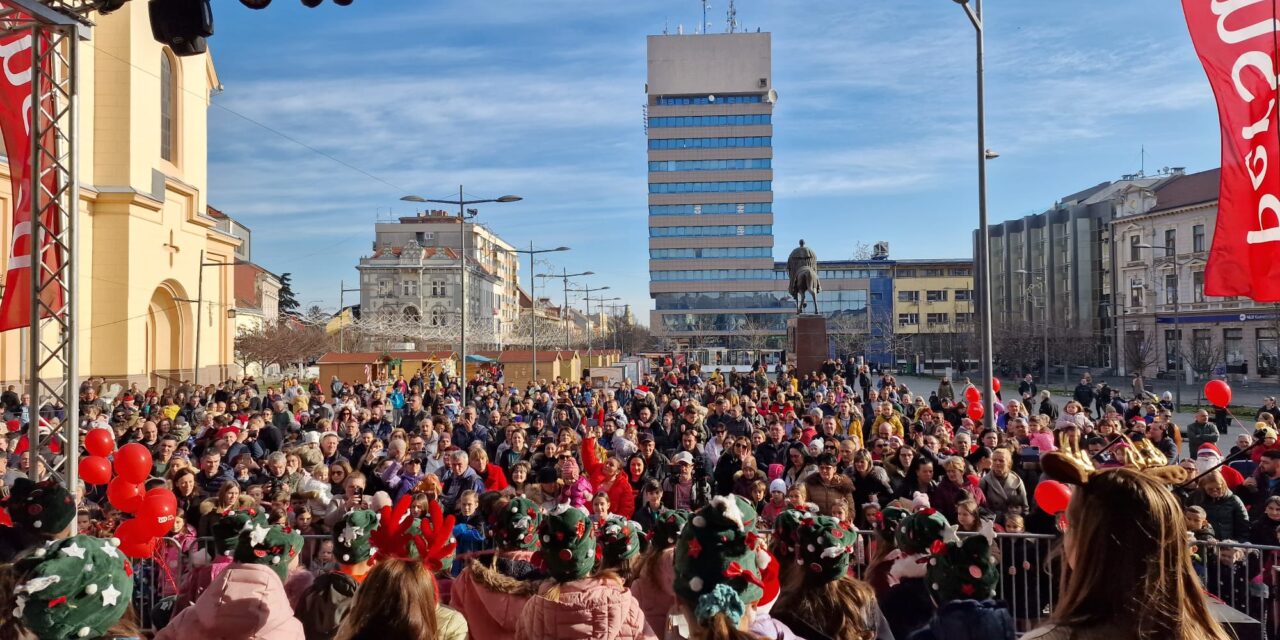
(807, 342)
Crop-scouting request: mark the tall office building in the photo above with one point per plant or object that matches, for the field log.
(709, 126)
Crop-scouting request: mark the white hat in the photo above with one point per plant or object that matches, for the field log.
(684, 457)
(778, 485)
(311, 437)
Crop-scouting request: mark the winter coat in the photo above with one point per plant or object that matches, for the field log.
(199, 580)
(324, 605)
(873, 487)
(245, 602)
(588, 609)
(491, 598)
(450, 625)
(656, 592)
(1004, 495)
(969, 620)
(494, 478)
(1226, 514)
(622, 498)
(577, 493)
(824, 494)
(1199, 434)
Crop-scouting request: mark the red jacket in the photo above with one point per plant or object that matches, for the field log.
(494, 478)
(622, 498)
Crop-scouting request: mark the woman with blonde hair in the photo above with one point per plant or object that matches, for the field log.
(1127, 572)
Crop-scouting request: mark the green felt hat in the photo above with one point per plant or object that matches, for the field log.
(227, 529)
(515, 526)
(826, 545)
(666, 528)
(268, 545)
(618, 539)
(887, 522)
(73, 588)
(568, 543)
(718, 560)
(918, 531)
(351, 537)
(962, 571)
(44, 507)
(785, 528)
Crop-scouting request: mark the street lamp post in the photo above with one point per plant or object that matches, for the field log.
(564, 275)
(199, 302)
(1177, 320)
(601, 302)
(984, 241)
(533, 305)
(586, 292)
(462, 227)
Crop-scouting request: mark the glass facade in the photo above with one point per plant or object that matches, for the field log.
(712, 231)
(710, 165)
(776, 322)
(723, 300)
(710, 143)
(711, 274)
(711, 252)
(709, 187)
(714, 208)
(710, 121)
(679, 101)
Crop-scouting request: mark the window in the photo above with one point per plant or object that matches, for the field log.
(437, 318)
(1135, 295)
(411, 314)
(908, 296)
(964, 295)
(680, 101)
(936, 295)
(1170, 289)
(1135, 252)
(1201, 355)
(410, 288)
(710, 252)
(710, 143)
(711, 231)
(711, 274)
(699, 209)
(1197, 238)
(1197, 286)
(1171, 338)
(933, 273)
(959, 272)
(1268, 352)
(709, 187)
(1233, 346)
(906, 273)
(710, 165)
(168, 103)
(964, 318)
(938, 318)
(1170, 242)
(710, 121)
(438, 289)
(908, 319)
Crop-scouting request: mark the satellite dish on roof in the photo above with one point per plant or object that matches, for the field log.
(772, 96)
(711, 98)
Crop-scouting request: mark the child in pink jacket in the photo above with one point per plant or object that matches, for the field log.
(572, 606)
(575, 488)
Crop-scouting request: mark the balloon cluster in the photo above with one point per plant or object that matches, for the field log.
(973, 397)
(154, 511)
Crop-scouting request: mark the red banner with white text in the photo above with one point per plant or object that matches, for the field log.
(16, 101)
(1236, 41)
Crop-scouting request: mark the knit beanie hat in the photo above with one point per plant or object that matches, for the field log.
(516, 525)
(44, 507)
(268, 545)
(73, 588)
(351, 543)
(887, 522)
(666, 528)
(618, 540)
(718, 562)
(920, 530)
(962, 571)
(785, 528)
(778, 485)
(227, 529)
(825, 547)
(568, 543)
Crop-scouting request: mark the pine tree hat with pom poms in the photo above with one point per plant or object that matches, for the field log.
(73, 588)
(718, 560)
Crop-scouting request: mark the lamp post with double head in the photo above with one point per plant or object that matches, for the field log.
(564, 275)
(586, 293)
(462, 229)
(533, 305)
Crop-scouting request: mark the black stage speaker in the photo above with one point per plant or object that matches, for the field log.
(182, 24)
(1238, 625)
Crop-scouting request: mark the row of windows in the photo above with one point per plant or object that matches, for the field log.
(711, 274)
(680, 101)
(699, 209)
(1170, 247)
(910, 319)
(712, 231)
(711, 143)
(845, 274)
(933, 273)
(935, 295)
(851, 320)
(711, 121)
(710, 187)
(711, 165)
(711, 252)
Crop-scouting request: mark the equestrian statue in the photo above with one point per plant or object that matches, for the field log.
(802, 267)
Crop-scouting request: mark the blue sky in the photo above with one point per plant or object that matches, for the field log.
(873, 130)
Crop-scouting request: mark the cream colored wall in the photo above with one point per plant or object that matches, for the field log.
(923, 284)
(125, 225)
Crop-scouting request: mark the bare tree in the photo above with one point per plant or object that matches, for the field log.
(852, 333)
(1140, 351)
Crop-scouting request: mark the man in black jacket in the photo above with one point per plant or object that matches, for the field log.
(1084, 394)
(413, 415)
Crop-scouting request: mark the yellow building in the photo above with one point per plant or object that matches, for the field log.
(143, 215)
(933, 314)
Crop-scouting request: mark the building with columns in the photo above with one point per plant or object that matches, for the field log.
(143, 218)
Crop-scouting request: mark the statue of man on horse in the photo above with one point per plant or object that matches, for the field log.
(802, 267)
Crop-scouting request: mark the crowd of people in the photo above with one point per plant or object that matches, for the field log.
(687, 504)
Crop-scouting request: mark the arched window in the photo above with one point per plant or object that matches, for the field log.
(411, 314)
(437, 318)
(168, 106)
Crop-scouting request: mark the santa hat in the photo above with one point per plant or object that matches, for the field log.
(1209, 448)
(641, 391)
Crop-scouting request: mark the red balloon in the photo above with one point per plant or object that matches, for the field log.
(1053, 496)
(976, 411)
(159, 507)
(995, 385)
(124, 495)
(1218, 392)
(139, 550)
(133, 462)
(95, 470)
(99, 442)
(135, 540)
(972, 394)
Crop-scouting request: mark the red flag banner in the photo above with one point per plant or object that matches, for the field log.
(1236, 41)
(16, 99)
